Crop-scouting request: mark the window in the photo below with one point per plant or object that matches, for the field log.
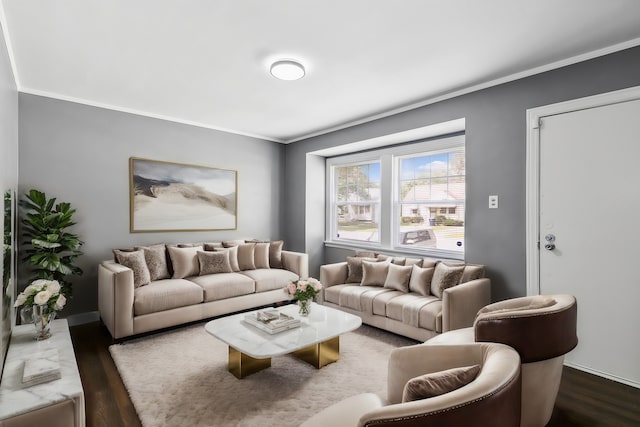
(407, 198)
(357, 202)
(433, 184)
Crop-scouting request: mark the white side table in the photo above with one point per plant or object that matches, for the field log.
(56, 403)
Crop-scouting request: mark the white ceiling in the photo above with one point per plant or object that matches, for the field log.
(205, 62)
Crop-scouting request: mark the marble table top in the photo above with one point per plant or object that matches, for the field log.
(322, 324)
(16, 399)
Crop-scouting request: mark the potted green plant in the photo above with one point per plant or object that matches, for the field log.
(51, 251)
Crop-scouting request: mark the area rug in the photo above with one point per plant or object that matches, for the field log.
(180, 378)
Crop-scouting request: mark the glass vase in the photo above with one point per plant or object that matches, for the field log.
(42, 318)
(304, 307)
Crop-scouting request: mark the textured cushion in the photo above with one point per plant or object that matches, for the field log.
(214, 262)
(374, 273)
(233, 257)
(275, 253)
(261, 255)
(156, 259)
(136, 262)
(245, 256)
(472, 272)
(398, 277)
(185, 261)
(437, 383)
(420, 281)
(444, 277)
(354, 266)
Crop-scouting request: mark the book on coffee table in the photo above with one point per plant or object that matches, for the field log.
(272, 321)
(41, 367)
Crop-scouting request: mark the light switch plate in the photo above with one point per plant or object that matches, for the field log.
(493, 202)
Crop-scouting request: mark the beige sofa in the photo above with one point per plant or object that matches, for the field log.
(415, 297)
(189, 287)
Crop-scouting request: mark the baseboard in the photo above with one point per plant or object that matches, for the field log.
(604, 375)
(82, 318)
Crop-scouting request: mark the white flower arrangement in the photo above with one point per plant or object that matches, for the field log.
(42, 292)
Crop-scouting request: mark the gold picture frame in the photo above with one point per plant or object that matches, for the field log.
(168, 196)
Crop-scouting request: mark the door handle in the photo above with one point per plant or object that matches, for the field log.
(549, 246)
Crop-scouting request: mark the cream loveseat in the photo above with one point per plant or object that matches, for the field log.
(158, 286)
(415, 297)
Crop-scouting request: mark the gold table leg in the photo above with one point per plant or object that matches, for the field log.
(242, 365)
(320, 354)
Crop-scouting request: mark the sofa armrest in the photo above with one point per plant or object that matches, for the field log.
(334, 274)
(347, 412)
(461, 303)
(115, 298)
(296, 262)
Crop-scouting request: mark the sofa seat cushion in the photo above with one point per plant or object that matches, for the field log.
(379, 305)
(430, 316)
(353, 296)
(166, 294)
(224, 285)
(366, 300)
(408, 308)
(270, 279)
(332, 293)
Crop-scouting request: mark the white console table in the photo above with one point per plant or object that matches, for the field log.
(59, 403)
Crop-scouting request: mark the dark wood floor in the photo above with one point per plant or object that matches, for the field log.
(584, 400)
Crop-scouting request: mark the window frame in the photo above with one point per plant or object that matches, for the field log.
(389, 216)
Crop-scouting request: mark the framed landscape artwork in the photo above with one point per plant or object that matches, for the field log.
(166, 196)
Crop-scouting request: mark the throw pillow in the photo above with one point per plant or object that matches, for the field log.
(136, 262)
(429, 262)
(366, 254)
(275, 253)
(211, 246)
(414, 261)
(472, 272)
(261, 255)
(354, 266)
(398, 277)
(156, 259)
(437, 383)
(246, 257)
(185, 261)
(445, 277)
(231, 243)
(374, 273)
(420, 281)
(233, 257)
(214, 262)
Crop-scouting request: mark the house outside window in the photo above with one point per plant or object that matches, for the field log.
(357, 201)
(408, 198)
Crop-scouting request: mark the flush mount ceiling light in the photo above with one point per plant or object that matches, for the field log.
(287, 70)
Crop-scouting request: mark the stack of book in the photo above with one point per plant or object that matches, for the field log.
(272, 321)
(41, 368)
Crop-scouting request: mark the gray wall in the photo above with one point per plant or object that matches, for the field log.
(496, 160)
(79, 154)
(8, 171)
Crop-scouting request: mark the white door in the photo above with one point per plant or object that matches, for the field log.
(589, 199)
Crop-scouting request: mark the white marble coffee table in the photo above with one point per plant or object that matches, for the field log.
(316, 341)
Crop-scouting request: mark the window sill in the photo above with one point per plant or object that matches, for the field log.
(431, 253)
